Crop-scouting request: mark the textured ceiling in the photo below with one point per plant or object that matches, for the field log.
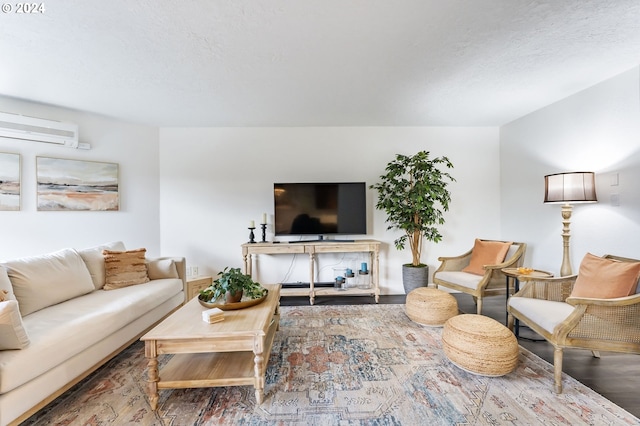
(315, 63)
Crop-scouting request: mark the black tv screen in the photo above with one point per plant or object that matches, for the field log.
(320, 208)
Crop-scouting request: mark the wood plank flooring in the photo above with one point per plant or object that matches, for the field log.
(615, 376)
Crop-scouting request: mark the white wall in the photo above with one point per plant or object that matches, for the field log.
(213, 181)
(133, 147)
(595, 130)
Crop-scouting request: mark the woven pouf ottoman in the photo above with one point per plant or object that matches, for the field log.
(430, 306)
(480, 345)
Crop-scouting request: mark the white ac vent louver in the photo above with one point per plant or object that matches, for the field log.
(16, 126)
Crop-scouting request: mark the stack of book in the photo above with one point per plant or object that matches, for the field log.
(213, 315)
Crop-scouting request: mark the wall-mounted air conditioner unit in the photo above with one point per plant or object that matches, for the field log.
(17, 126)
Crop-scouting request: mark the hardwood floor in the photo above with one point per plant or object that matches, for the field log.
(615, 376)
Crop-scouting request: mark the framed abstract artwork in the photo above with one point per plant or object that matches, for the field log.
(9, 182)
(66, 185)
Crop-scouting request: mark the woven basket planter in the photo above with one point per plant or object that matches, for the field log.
(430, 306)
(480, 345)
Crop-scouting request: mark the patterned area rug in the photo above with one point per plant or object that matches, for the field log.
(342, 365)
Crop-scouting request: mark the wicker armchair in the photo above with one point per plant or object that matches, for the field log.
(493, 282)
(545, 306)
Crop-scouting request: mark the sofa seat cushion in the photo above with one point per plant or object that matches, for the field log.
(66, 329)
(546, 313)
(464, 279)
(41, 281)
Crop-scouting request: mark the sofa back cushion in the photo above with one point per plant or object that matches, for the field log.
(48, 279)
(94, 259)
(486, 253)
(12, 332)
(601, 278)
(125, 268)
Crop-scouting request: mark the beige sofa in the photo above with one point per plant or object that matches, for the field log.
(59, 324)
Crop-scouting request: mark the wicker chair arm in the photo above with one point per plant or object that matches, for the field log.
(454, 263)
(554, 289)
(618, 301)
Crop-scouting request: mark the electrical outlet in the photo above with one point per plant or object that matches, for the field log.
(194, 269)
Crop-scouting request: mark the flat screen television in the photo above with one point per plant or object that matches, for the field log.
(320, 209)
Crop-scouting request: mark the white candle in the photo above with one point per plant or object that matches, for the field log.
(264, 218)
(252, 224)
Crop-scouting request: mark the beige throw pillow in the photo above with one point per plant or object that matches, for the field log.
(48, 279)
(162, 268)
(486, 253)
(94, 259)
(125, 268)
(12, 332)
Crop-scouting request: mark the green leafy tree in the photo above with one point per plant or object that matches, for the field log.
(414, 193)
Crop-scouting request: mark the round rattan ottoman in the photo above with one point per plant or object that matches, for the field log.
(430, 306)
(480, 345)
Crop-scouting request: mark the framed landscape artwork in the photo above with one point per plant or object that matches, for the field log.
(9, 182)
(65, 185)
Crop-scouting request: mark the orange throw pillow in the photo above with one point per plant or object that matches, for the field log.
(601, 278)
(486, 253)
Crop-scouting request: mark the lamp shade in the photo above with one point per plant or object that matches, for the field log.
(572, 187)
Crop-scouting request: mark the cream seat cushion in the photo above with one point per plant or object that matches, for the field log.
(48, 279)
(464, 279)
(546, 313)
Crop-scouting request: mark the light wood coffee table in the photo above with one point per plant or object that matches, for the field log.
(233, 352)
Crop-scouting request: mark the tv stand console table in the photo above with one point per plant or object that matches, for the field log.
(312, 248)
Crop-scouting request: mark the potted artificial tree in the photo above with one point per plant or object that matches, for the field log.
(414, 194)
(233, 284)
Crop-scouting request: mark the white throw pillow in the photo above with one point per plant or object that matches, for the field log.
(94, 260)
(12, 333)
(162, 268)
(5, 284)
(48, 279)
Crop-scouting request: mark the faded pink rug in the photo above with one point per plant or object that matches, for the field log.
(342, 365)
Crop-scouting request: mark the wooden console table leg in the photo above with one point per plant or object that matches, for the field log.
(154, 376)
(312, 291)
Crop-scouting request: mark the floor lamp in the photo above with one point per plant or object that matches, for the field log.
(567, 189)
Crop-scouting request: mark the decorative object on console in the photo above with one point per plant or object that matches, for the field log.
(76, 185)
(252, 237)
(569, 188)
(414, 194)
(9, 182)
(263, 225)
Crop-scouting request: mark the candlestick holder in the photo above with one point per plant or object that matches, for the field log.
(264, 232)
(251, 236)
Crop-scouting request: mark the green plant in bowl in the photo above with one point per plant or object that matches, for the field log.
(232, 284)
